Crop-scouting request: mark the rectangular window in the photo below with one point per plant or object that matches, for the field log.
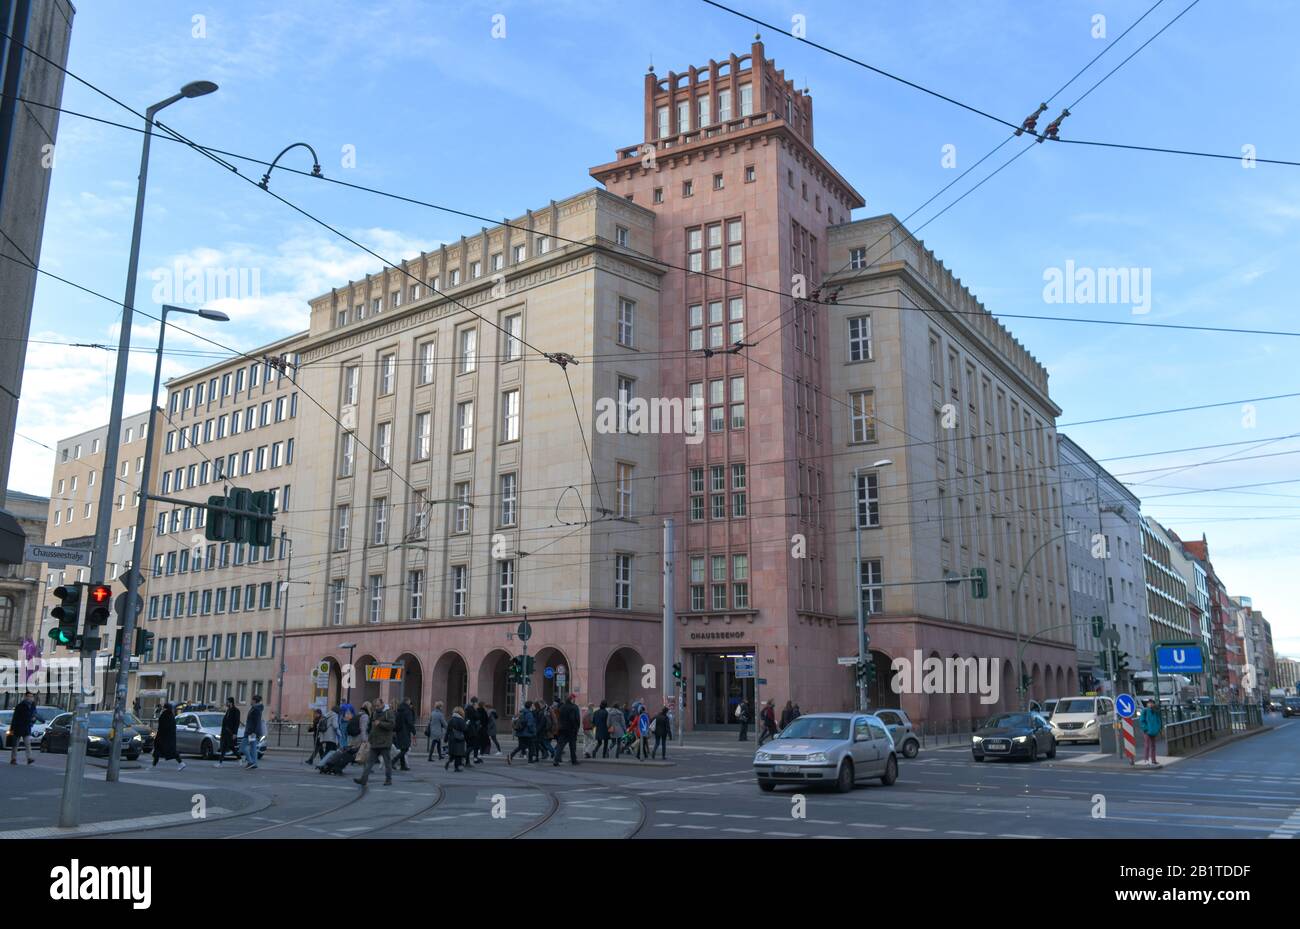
(468, 350)
(620, 236)
(719, 596)
(384, 444)
(415, 595)
(735, 247)
(426, 362)
(459, 589)
(862, 416)
(869, 584)
(509, 499)
(625, 389)
(387, 373)
(738, 403)
(750, 174)
(460, 521)
(514, 327)
(626, 321)
(464, 425)
(475, 270)
(506, 585)
(859, 338)
(868, 492)
(736, 320)
(347, 455)
(376, 597)
(622, 582)
(697, 494)
(724, 105)
(624, 490)
(714, 236)
(423, 436)
(339, 600)
(510, 416)
(746, 99)
(379, 520)
(739, 501)
(342, 517)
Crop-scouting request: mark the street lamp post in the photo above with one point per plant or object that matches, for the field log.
(134, 576)
(863, 640)
(70, 804)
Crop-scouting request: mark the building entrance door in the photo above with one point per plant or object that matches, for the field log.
(716, 689)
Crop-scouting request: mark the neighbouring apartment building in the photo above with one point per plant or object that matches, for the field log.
(463, 475)
(216, 608)
(22, 594)
(1225, 655)
(1107, 573)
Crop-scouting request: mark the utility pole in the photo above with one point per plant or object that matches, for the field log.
(670, 631)
(284, 625)
(862, 619)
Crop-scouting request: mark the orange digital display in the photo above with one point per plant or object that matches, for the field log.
(384, 672)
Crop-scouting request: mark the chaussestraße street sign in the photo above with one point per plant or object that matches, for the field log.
(53, 554)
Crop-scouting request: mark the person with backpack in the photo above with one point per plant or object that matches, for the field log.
(642, 733)
(588, 730)
(356, 733)
(525, 729)
(254, 729)
(569, 721)
(229, 732)
(600, 728)
(743, 717)
(1150, 723)
(403, 733)
(663, 731)
(769, 722)
(457, 744)
(617, 726)
(540, 721)
(491, 730)
(382, 726)
(436, 730)
(327, 733)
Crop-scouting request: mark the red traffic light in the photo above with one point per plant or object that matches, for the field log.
(101, 594)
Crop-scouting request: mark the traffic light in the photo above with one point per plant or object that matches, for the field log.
(1098, 625)
(144, 644)
(219, 527)
(1025, 681)
(116, 658)
(1105, 662)
(869, 673)
(97, 606)
(68, 614)
(528, 666)
(515, 673)
(677, 672)
(1121, 662)
(241, 498)
(260, 529)
(979, 584)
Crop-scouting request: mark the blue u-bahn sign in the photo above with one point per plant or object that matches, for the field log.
(1180, 659)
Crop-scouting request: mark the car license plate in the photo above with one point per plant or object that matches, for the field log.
(996, 747)
(786, 769)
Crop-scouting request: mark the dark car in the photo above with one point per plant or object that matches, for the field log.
(143, 729)
(1291, 707)
(1014, 735)
(59, 733)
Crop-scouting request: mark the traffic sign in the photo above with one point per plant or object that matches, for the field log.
(1180, 659)
(323, 668)
(548, 673)
(119, 605)
(54, 555)
(1110, 636)
(745, 666)
(1125, 705)
(849, 661)
(524, 630)
(125, 578)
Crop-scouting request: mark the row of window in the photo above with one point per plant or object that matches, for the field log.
(213, 556)
(249, 461)
(130, 435)
(219, 427)
(705, 113)
(236, 646)
(496, 262)
(231, 383)
(505, 579)
(239, 690)
(717, 492)
(264, 596)
(717, 576)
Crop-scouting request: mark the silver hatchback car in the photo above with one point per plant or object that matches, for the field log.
(832, 749)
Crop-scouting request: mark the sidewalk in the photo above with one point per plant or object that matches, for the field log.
(31, 795)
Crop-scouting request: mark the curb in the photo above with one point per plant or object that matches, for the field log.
(1142, 768)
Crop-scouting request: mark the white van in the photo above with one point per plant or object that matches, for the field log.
(1080, 719)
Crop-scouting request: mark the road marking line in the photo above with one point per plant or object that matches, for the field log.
(962, 832)
(111, 825)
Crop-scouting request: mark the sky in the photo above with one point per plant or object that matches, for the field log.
(494, 108)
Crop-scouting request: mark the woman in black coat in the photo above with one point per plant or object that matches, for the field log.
(457, 740)
(164, 743)
(402, 733)
(229, 731)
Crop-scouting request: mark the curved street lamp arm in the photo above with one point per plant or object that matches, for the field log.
(315, 168)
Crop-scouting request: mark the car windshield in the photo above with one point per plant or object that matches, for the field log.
(209, 720)
(46, 713)
(131, 719)
(1074, 706)
(6, 716)
(1009, 721)
(101, 720)
(1293, 701)
(817, 727)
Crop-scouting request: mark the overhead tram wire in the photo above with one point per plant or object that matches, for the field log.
(606, 249)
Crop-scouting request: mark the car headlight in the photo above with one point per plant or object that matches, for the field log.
(762, 756)
(96, 738)
(976, 739)
(137, 738)
(818, 757)
(1021, 738)
(1090, 723)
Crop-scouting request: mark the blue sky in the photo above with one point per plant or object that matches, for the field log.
(437, 107)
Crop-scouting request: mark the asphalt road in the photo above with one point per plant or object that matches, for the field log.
(1247, 789)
